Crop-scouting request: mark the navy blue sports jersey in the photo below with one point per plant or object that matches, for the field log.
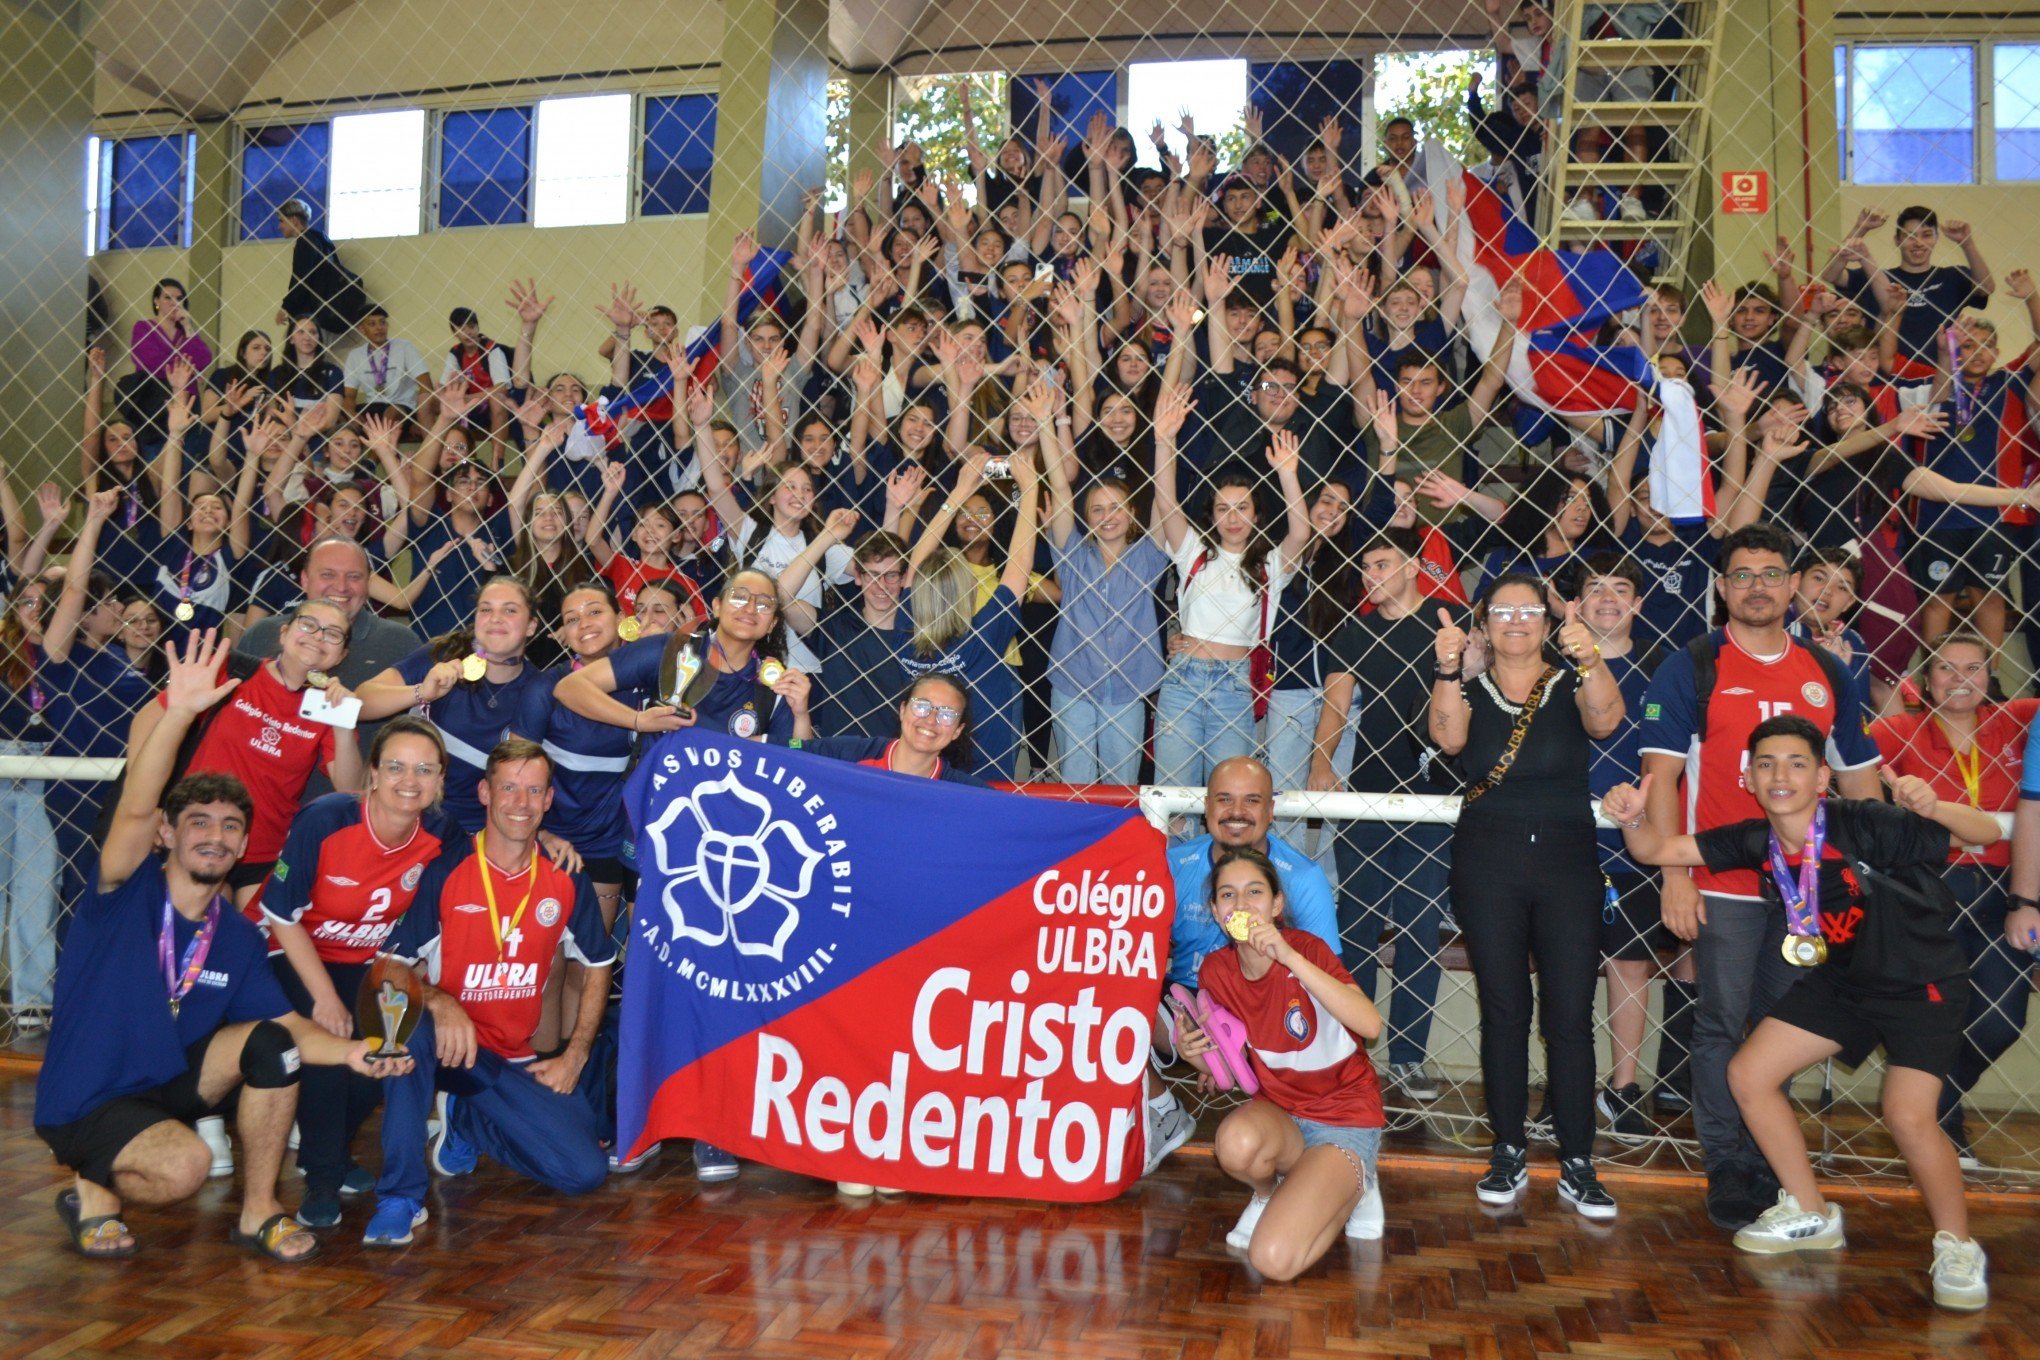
(471, 719)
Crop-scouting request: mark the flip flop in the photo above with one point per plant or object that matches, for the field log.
(267, 1239)
(87, 1233)
(1230, 1069)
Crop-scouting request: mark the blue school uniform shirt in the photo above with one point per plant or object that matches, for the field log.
(114, 1035)
(1618, 758)
(1678, 592)
(1196, 933)
(1969, 453)
(589, 758)
(448, 598)
(730, 706)
(978, 660)
(472, 718)
(89, 698)
(209, 584)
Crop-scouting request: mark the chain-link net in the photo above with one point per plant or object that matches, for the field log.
(1154, 371)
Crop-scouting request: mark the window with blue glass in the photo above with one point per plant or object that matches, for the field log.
(485, 167)
(2015, 113)
(1912, 114)
(279, 164)
(679, 158)
(1072, 95)
(1295, 98)
(145, 185)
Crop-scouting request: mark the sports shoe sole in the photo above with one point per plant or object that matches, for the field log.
(417, 1220)
(1969, 1301)
(1776, 1246)
(1600, 1213)
(1519, 1185)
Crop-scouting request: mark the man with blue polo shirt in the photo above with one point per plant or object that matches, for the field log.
(165, 1005)
(1239, 808)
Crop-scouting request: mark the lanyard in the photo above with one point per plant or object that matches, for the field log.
(1972, 774)
(489, 894)
(1802, 898)
(184, 578)
(179, 978)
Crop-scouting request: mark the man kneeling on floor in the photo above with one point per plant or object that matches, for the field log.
(165, 1004)
(488, 927)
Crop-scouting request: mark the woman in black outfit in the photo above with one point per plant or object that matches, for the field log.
(1526, 878)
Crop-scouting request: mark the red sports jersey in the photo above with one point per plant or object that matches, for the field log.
(885, 762)
(1913, 743)
(1308, 1063)
(343, 885)
(501, 985)
(627, 577)
(258, 738)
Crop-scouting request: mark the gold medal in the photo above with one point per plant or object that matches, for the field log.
(770, 673)
(473, 667)
(317, 679)
(627, 628)
(1805, 951)
(185, 612)
(1968, 434)
(1240, 924)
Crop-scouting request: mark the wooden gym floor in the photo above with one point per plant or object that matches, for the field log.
(777, 1265)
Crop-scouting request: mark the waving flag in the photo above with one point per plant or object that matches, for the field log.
(864, 977)
(762, 278)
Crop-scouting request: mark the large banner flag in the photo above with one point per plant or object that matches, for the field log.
(865, 977)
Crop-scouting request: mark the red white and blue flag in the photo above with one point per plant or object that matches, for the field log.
(865, 977)
(762, 280)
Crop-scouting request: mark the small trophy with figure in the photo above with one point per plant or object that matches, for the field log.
(388, 1009)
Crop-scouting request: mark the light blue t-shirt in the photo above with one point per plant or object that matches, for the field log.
(1307, 899)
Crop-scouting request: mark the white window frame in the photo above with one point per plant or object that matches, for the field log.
(1983, 130)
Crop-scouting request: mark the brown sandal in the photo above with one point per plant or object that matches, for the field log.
(268, 1239)
(88, 1235)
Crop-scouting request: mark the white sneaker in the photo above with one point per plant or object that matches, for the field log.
(1368, 1217)
(213, 1131)
(856, 1189)
(1786, 1227)
(1243, 1231)
(1959, 1273)
(1169, 1126)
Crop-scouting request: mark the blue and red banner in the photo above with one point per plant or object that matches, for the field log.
(866, 977)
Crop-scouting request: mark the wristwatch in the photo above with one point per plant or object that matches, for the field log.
(2018, 901)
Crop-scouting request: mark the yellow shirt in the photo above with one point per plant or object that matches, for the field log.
(988, 585)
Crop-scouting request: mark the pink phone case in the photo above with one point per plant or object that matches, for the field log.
(1227, 1059)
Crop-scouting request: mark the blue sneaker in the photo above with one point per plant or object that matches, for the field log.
(357, 1183)
(320, 1211)
(711, 1163)
(391, 1224)
(452, 1155)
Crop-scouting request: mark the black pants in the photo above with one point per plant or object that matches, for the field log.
(1998, 983)
(1525, 890)
(333, 1102)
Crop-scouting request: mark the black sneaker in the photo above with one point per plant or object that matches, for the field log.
(1581, 1188)
(1729, 1202)
(1622, 1107)
(1669, 1100)
(1507, 1174)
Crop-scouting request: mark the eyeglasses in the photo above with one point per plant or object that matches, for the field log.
(979, 515)
(331, 632)
(758, 604)
(397, 769)
(1275, 387)
(887, 578)
(1742, 578)
(944, 715)
(1515, 613)
(1316, 347)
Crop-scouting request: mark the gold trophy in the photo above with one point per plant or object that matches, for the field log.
(388, 1009)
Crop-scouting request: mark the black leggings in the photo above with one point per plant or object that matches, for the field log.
(333, 1102)
(1524, 889)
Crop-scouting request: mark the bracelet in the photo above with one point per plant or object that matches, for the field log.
(2021, 902)
(1636, 825)
(1448, 677)
(417, 696)
(949, 508)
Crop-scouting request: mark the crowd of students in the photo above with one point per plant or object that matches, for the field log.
(989, 485)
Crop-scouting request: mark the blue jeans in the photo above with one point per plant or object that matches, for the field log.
(1292, 736)
(500, 1108)
(1394, 874)
(28, 880)
(1740, 975)
(1204, 713)
(1096, 743)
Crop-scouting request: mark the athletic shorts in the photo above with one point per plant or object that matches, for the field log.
(1920, 1029)
(1949, 561)
(89, 1146)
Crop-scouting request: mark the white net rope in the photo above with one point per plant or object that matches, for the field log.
(1183, 319)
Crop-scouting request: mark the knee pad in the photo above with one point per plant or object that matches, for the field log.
(270, 1057)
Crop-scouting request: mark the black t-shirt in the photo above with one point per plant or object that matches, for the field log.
(1849, 498)
(861, 680)
(1253, 256)
(1885, 933)
(1390, 661)
(1549, 777)
(1935, 296)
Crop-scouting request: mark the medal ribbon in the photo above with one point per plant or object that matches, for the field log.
(178, 979)
(1802, 898)
(379, 369)
(184, 578)
(1972, 775)
(489, 893)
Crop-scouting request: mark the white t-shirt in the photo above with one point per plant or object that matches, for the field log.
(761, 547)
(402, 366)
(1217, 602)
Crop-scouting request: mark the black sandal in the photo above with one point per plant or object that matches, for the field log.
(275, 1230)
(87, 1233)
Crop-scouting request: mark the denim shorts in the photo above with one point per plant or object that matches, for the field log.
(1361, 1146)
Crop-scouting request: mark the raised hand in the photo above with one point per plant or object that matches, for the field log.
(1573, 638)
(1285, 453)
(904, 485)
(1625, 804)
(1450, 642)
(50, 503)
(1719, 304)
(1172, 408)
(1958, 233)
(1741, 392)
(1217, 279)
(2019, 284)
(622, 311)
(191, 687)
(101, 505)
(523, 300)
(742, 249)
(840, 525)
(700, 405)
(1910, 792)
